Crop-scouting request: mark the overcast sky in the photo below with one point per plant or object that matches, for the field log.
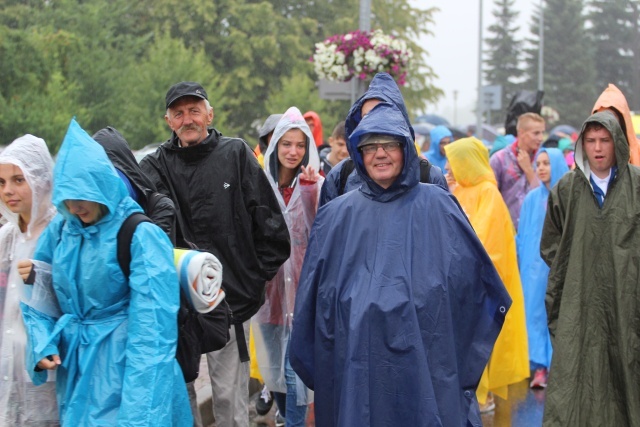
(453, 51)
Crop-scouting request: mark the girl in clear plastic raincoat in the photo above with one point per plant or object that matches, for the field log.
(26, 182)
(291, 165)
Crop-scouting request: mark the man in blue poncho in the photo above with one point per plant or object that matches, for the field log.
(398, 304)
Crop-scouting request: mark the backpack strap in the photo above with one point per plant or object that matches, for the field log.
(125, 235)
(425, 170)
(346, 170)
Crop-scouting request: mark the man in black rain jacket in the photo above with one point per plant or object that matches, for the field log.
(226, 206)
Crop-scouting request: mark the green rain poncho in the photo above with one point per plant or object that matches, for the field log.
(592, 294)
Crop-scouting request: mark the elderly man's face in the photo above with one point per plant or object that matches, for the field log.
(188, 118)
(384, 164)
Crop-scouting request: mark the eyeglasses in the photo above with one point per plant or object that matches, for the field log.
(388, 147)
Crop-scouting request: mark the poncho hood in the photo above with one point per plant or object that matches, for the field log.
(434, 155)
(384, 88)
(267, 127)
(317, 127)
(558, 165)
(386, 119)
(291, 119)
(120, 155)
(83, 172)
(609, 121)
(32, 156)
(389, 117)
(612, 98)
(469, 161)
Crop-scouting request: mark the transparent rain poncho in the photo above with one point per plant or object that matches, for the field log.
(20, 402)
(272, 324)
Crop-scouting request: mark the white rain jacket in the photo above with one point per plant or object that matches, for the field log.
(272, 324)
(21, 403)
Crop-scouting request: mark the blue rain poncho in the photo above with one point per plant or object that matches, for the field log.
(116, 337)
(390, 328)
(434, 155)
(533, 270)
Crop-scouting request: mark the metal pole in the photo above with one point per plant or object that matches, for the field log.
(541, 51)
(364, 25)
(480, 100)
(455, 107)
(365, 15)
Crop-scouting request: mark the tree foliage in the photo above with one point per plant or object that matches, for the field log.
(616, 35)
(502, 67)
(110, 63)
(568, 61)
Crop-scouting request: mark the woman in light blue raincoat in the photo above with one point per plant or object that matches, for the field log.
(436, 152)
(112, 338)
(533, 270)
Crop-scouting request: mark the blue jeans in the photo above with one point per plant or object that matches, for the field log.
(293, 414)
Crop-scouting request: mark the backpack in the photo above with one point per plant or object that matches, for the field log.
(349, 166)
(198, 333)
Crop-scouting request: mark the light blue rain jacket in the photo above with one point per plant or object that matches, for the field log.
(533, 270)
(434, 155)
(116, 337)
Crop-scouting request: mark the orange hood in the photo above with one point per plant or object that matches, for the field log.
(613, 99)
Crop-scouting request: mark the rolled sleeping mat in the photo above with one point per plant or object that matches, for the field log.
(200, 276)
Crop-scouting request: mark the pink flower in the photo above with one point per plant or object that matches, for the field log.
(370, 58)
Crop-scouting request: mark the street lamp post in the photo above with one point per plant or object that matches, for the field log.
(455, 108)
(541, 51)
(480, 100)
(364, 25)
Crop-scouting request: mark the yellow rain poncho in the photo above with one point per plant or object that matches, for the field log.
(480, 198)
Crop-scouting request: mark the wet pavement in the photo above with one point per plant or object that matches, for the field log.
(523, 408)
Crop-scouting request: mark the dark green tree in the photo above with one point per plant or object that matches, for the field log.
(110, 63)
(502, 66)
(568, 58)
(616, 35)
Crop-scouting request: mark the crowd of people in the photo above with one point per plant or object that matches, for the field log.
(384, 285)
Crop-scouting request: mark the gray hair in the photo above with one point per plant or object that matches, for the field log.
(206, 104)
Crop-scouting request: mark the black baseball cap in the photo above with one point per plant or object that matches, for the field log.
(181, 89)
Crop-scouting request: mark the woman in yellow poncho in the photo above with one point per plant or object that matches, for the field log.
(476, 189)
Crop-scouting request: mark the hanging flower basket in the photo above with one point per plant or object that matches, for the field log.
(361, 54)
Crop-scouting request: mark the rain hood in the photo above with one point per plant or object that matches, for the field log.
(434, 155)
(613, 99)
(32, 156)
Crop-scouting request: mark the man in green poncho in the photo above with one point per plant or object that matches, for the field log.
(591, 241)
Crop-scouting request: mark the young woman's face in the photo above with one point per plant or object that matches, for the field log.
(88, 212)
(543, 168)
(291, 148)
(16, 193)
